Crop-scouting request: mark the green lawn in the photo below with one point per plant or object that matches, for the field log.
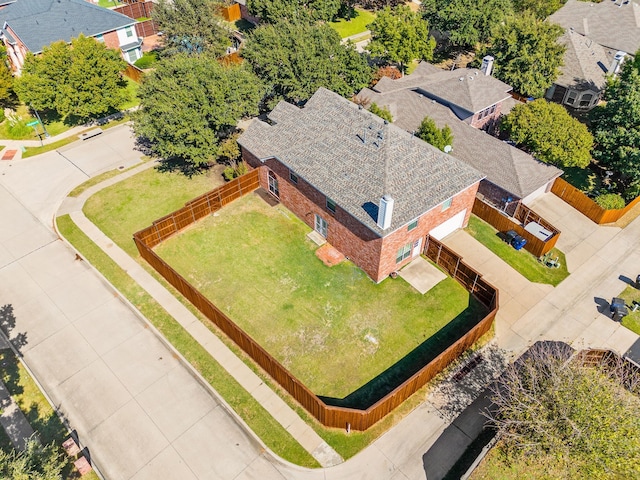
(583, 179)
(132, 90)
(334, 328)
(358, 24)
(521, 260)
(258, 419)
(76, 192)
(131, 205)
(631, 321)
(18, 129)
(109, 3)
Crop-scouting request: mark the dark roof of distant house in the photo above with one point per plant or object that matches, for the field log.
(611, 23)
(502, 164)
(323, 144)
(467, 88)
(38, 23)
(586, 63)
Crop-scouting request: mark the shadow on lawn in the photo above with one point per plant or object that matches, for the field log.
(390, 379)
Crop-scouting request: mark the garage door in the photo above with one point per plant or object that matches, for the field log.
(449, 226)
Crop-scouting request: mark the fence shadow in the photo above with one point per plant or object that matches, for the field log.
(394, 376)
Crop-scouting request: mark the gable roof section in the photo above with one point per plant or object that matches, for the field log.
(38, 23)
(502, 164)
(466, 88)
(611, 23)
(322, 143)
(586, 62)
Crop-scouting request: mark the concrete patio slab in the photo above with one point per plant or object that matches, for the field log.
(421, 275)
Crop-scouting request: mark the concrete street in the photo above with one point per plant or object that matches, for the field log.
(144, 414)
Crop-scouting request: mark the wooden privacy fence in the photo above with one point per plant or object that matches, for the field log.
(231, 13)
(523, 215)
(330, 416)
(586, 206)
(133, 72)
(624, 369)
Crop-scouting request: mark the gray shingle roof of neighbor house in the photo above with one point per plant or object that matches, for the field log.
(611, 23)
(502, 164)
(323, 144)
(586, 62)
(38, 23)
(467, 88)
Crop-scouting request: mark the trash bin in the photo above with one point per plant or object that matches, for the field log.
(515, 240)
(616, 302)
(638, 282)
(619, 313)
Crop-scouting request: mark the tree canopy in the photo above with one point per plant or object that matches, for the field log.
(550, 133)
(577, 421)
(540, 8)
(438, 137)
(616, 125)
(382, 112)
(79, 80)
(187, 104)
(466, 22)
(36, 462)
(401, 36)
(294, 60)
(192, 26)
(273, 11)
(527, 53)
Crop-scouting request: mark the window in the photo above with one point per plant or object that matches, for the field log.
(571, 98)
(492, 109)
(412, 225)
(331, 205)
(293, 177)
(273, 184)
(128, 31)
(446, 204)
(132, 55)
(585, 99)
(404, 252)
(99, 38)
(321, 226)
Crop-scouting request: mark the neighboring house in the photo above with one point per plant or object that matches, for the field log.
(31, 25)
(371, 189)
(598, 36)
(511, 175)
(475, 98)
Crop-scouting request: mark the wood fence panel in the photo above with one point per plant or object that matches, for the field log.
(503, 223)
(133, 72)
(331, 416)
(231, 13)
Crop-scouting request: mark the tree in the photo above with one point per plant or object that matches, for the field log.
(6, 77)
(294, 60)
(383, 112)
(540, 8)
(430, 133)
(466, 22)
(579, 421)
(34, 463)
(527, 53)
(192, 26)
(550, 133)
(378, 4)
(616, 125)
(401, 36)
(273, 11)
(78, 80)
(189, 103)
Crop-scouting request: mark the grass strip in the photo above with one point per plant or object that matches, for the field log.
(520, 260)
(256, 417)
(76, 192)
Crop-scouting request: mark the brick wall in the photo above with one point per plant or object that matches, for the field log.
(111, 40)
(376, 256)
(478, 122)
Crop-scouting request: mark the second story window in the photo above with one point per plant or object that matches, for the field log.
(99, 38)
(293, 177)
(331, 205)
(412, 225)
(128, 31)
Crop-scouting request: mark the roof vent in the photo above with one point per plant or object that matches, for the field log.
(461, 78)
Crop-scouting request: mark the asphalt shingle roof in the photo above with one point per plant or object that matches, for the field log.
(502, 164)
(38, 23)
(611, 23)
(586, 62)
(323, 144)
(466, 88)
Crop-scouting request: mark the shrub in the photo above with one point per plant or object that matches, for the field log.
(383, 112)
(232, 172)
(632, 192)
(147, 60)
(388, 71)
(610, 201)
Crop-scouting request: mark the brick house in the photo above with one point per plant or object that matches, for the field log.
(31, 25)
(511, 175)
(371, 189)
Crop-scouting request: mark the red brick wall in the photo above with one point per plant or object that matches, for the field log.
(111, 40)
(376, 256)
(478, 122)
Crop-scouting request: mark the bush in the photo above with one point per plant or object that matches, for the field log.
(232, 172)
(632, 192)
(610, 201)
(390, 71)
(147, 60)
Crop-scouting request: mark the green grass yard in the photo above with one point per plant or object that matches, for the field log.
(520, 260)
(358, 24)
(333, 328)
(631, 321)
